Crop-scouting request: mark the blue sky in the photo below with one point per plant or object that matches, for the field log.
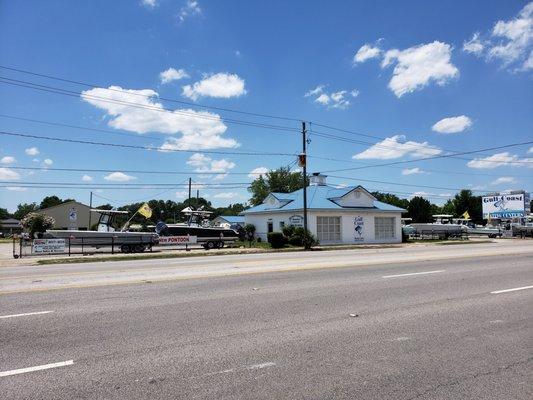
(425, 77)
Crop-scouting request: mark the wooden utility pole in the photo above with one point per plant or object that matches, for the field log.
(303, 159)
(90, 212)
(190, 182)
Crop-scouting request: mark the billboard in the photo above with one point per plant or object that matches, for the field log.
(505, 205)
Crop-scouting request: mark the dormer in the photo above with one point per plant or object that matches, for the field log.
(273, 202)
(357, 197)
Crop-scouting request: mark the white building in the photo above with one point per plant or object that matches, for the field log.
(346, 215)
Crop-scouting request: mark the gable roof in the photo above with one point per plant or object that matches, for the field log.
(320, 198)
(232, 219)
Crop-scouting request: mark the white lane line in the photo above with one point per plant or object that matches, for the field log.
(261, 366)
(25, 314)
(414, 273)
(36, 368)
(512, 290)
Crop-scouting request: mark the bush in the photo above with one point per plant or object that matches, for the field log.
(37, 223)
(301, 237)
(277, 240)
(288, 230)
(249, 229)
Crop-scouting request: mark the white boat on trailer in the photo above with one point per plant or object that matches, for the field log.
(443, 227)
(107, 235)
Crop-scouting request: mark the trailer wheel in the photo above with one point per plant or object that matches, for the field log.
(125, 248)
(209, 245)
(220, 244)
(139, 248)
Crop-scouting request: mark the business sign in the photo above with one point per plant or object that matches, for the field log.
(296, 220)
(358, 226)
(48, 246)
(73, 214)
(504, 206)
(170, 240)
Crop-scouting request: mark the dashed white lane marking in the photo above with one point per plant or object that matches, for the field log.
(512, 290)
(413, 273)
(36, 368)
(261, 366)
(25, 314)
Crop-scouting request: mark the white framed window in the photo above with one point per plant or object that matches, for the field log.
(385, 227)
(328, 229)
(281, 225)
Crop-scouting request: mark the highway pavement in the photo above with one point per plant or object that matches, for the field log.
(451, 323)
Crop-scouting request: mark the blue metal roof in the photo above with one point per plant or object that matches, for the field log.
(319, 197)
(233, 219)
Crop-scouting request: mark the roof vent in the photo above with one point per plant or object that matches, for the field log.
(317, 179)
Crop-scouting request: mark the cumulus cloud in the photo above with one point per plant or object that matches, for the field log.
(339, 99)
(191, 7)
(149, 3)
(257, 172)
(172, 74)
(413, 171)
(203, 163)
(87, 178)
(510, 42)
(119, 177)
(8, 160)
(366, 52)
(226, 195)
(199, 129)
(47, 162)
(7, 174)
(502, 180)
(418, 66)
(32, 151)
(530, 151)
(394, 147)
(221, 85)
(16, 188)
(500, 160)
(452, 124)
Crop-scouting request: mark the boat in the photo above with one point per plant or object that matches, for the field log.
(197, 231)
(442, 227)
(473, 229)
(107, 235)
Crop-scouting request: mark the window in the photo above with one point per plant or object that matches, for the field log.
(328, 229)
(270, 226)
(385, 227)
(281, 225)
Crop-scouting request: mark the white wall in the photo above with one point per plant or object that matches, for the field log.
(347, 224)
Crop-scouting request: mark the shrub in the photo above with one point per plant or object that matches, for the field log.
(288, 230)
(37, 223)
(250, 231)
(301, 237)
(276, 240)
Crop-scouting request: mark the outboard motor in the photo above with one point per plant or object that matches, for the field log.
(160, 228)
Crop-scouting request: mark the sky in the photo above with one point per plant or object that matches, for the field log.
(161, 80)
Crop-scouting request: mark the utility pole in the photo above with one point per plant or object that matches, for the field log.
(190, 182)
(303, 159)
(197, 198)
(90, 212)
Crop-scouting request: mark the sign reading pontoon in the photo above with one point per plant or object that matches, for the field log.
(169, 240)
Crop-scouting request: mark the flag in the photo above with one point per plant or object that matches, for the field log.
(466, 215)
(145, 210)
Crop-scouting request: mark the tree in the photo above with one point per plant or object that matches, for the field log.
(4, 214)
(37, 223)
(281, 180)
(391, 199)
(420, 209)
(466, 201)
(23, 209)
(50, 201)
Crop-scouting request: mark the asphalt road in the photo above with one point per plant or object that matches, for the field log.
(437, 329)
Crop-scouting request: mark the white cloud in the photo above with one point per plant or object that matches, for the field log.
(226, 195)
(7, 174)
(421, 194)
(87, 178)
(530, 151)
(182, 194)
(337, 99)
(32, 151)
(203, 163)
(199, 129)
(257, 172)
(503, 179)
(452, 124)
(474, 45)
(191, 7)
(392, 147)
(412, 171)
(221, 85)
(500, 160)
(366, 52)
(418, 66)
(47, 162)
(119, 177)
(8, 160)
(509, 41)
(172, 74)
(149, 3)
(16, 188)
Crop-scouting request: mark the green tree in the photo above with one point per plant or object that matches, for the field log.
(391, 199)
(50, 201)
(23, 209)
(466, 201)
(4, 214)
(420, 209)
(281, 180)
